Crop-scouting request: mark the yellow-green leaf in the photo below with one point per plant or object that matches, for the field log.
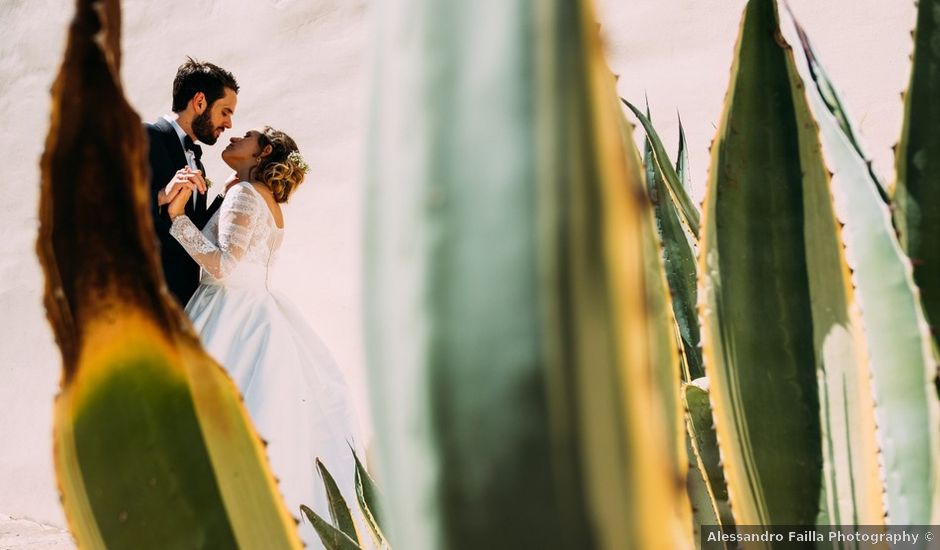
(784, 348)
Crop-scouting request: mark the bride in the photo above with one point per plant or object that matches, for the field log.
(294, 391)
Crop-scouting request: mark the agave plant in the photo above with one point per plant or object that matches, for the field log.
(340, 533)
(793, 193)
(813, 333)
(153, 448)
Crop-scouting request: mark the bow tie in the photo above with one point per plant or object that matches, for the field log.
(197, 150)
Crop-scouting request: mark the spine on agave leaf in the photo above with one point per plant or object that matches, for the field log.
(781, 328)
(917, 189)
(507, 301)
(901, 367)
(153, 448)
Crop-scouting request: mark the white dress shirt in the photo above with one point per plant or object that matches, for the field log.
(190, 156)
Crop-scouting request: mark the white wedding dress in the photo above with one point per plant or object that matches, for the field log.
(294, 391)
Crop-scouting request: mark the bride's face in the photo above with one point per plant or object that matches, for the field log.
(242, 152)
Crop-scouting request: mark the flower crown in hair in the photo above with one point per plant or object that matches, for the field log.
(297, 160)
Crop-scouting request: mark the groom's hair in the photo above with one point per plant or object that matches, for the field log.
(198, 76)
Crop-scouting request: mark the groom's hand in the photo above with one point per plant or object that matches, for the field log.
(196, 177)
(181, 180)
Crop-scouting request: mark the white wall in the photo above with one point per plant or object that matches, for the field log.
(303, 67)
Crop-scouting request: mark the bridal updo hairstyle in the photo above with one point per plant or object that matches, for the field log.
(280, 171)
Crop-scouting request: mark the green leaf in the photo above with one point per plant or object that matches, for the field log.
(757, 318)
(704, 447)
(689, 213)
(682, 161)
(339, 510)
(703, 506)
(917, 191)
(679, 259)
(331, 537)
(370, 499)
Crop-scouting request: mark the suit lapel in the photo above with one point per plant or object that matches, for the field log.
(172, 142)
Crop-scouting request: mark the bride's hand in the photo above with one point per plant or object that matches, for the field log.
(178, 204)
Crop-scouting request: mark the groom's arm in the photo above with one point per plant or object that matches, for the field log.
(161, 172)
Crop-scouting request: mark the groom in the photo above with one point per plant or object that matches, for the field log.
(204, 98)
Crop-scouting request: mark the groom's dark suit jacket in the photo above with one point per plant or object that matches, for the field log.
(166, 157)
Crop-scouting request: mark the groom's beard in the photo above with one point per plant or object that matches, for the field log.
(202, 127)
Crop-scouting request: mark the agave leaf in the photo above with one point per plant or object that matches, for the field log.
(686, 208)
(758, 345)
(370, 499)
(703, 506)
(339, 510)
(902, 366)
(917, 190)
(779, 307)
(704, 446)
(153, 448)
(817, 75)
(506, 291)
(331, 537)
(682, 161)
(679, 258)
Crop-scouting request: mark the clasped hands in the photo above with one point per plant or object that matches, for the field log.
(180, 189)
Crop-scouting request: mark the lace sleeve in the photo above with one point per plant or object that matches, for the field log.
(237, 218)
